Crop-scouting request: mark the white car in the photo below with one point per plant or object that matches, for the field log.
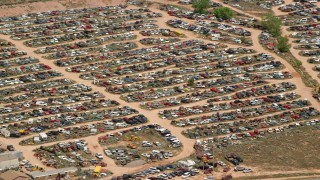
(247, 170)
(186, 175)
(146, 155)
(99, 156)
(24, 162)
(108, 152)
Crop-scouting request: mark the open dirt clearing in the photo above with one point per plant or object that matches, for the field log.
(16, 8)
(289, 148)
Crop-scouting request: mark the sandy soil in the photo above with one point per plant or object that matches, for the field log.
(13, 10)
(187, 150)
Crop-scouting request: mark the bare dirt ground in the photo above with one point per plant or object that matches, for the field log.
(35, 7)
(151, 115)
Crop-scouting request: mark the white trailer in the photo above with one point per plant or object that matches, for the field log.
(43, 136)
(5, 132)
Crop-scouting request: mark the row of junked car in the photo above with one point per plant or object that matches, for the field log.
(184, 91)
(220, 94)
(23, 88)
(225, 27)
(76, 25)
(242, 113)
(58, 39)
(307, 27)
(54, 112)
(32, 77)
(58, 130)
(30, 25)
(74, 98)
(238, 113)
(184, 13)
(235, 62)
(39, 90)
(106, 9)
(161, 58)
(162, 32)
(241, 126)
(202, 28)
(12, 54)
(155, 41)
(100, 74)
(50, 110)
(144, 53)
(58, 29)
(203, 72)
(210, 83)
(167, 171)
(25, 69)
(122, 71)
(297, 6)
(87, 43)
(96, 49)
(199, 67)
(19, 61)
(236, 104)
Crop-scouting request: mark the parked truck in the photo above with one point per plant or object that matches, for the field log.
(97, 171)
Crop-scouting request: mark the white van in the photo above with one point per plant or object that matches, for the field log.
(304, 20)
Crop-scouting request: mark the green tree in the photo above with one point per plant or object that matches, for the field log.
(245, 40)
(223, 13)
(283, 44)
(298, 63)
(201, 6)
(272, 24)
(191, 81)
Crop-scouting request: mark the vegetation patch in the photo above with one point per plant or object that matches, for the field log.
(292, 150)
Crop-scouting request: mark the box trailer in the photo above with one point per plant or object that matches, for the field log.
(43, 136)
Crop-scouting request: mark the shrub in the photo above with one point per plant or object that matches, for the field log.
(272, 24)
(191, 81)
(201, 6)
(283, 45)
(223, 13)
